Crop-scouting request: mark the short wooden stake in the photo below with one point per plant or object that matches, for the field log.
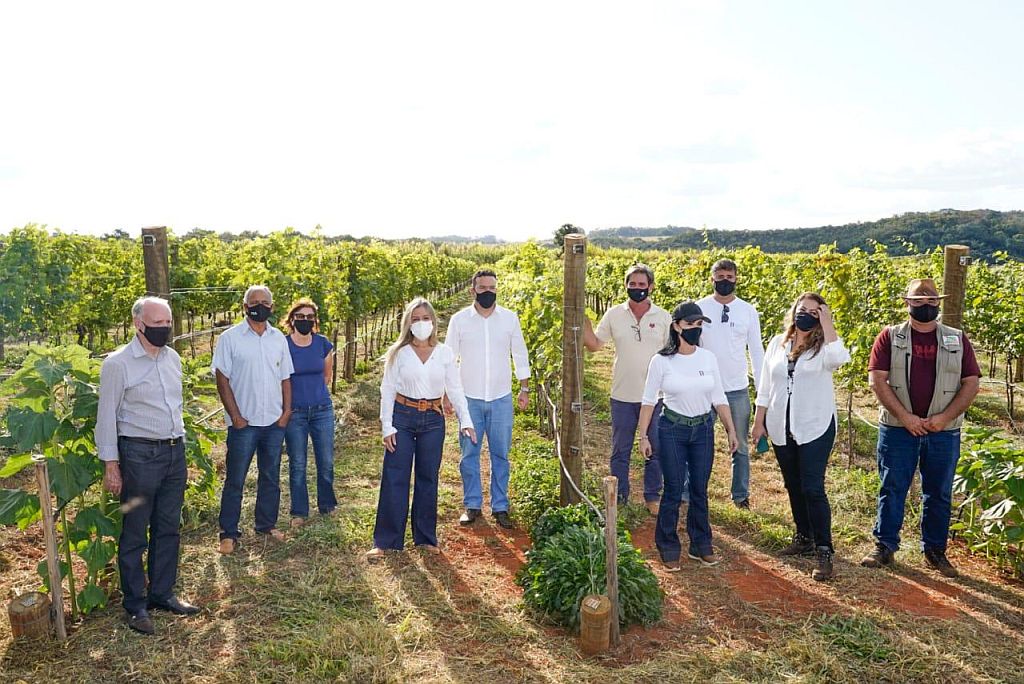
(50, 537)
(30, 616)
(611, 538)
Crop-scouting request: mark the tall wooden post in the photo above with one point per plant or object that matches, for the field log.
(155, 257)
(611, 540)
(50, 538)
(954, 284)
(571, 409)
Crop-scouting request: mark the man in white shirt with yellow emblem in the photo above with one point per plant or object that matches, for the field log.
(638, 328)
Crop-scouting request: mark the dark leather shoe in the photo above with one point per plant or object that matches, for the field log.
(937, 559)
(470, 516)
(881, 556)
(140, 622)
(175, 605)
(501, 517)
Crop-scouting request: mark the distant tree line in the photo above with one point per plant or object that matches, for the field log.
(984, 230)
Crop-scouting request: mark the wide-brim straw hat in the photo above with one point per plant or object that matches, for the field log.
(922, 288)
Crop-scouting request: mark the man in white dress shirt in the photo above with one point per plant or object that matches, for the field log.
(140, 439)
(734, 331)
(253, 368)
(483, 336)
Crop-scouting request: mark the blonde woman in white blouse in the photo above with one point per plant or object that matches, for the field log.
(796, 407)
(418, 372)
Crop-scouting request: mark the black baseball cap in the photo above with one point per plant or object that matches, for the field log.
(689, 311)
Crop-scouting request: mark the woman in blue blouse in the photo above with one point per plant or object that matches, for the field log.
(312, 412)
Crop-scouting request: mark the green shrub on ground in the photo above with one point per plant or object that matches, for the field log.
(990, 476)
(567, 562)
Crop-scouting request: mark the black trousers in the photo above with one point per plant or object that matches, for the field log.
(803, 471)
(152, 493)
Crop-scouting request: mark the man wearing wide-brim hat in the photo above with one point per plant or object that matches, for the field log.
(925, 375)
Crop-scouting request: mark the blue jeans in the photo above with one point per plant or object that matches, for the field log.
(625, 416)
(154, 478)
(687, 453)
(494, 419)
(265, 442)
(899, 455)
(316, 422)
(418, 445)
(739, 407)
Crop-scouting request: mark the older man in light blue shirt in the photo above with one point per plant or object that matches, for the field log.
(140, 439)
(253, 368)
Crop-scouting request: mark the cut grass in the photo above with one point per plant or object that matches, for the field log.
(311, 610)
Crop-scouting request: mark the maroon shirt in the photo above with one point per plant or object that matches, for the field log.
(925, 347)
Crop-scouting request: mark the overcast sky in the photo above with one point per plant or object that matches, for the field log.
(401, 119)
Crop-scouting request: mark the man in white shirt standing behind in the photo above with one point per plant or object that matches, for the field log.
(734, 331)
(483, 336)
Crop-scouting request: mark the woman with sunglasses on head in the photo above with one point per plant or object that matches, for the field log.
(418, 372)
(796, 407)
(690, 381)
(312, 411)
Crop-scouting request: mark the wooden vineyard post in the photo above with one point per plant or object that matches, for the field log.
(350, 348)
(611, 540)
(155, 259)
(50, 537)
(954, 284)
(571, 405)
(334, 368)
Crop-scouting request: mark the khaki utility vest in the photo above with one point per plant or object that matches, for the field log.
(948, 362)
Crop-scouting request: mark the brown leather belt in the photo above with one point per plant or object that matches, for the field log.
(420, 404)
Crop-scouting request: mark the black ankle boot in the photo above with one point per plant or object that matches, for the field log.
(824, 571)
(800, 546)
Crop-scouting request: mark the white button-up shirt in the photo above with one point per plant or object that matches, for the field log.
(482, 346)
(415, 379)
(813, 400)
(140, 396)
(732, 340)
(255, 365)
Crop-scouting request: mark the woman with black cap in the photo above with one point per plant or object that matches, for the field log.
(688, 378)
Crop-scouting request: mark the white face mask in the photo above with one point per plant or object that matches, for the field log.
(421, 329)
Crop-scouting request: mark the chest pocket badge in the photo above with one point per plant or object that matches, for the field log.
(951, 341)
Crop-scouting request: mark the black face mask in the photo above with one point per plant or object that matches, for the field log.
(805, 321)
(638, 294)
(926, 313)
(158, 336)
(258, 313)
(486, 299)
(724, 287)
(691, 335)
(303, 327)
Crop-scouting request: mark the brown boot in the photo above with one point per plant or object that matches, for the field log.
(824, 571)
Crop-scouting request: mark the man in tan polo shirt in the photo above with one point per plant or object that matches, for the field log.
(638, 328)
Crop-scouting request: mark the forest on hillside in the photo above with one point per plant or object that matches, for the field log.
(984, 230)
